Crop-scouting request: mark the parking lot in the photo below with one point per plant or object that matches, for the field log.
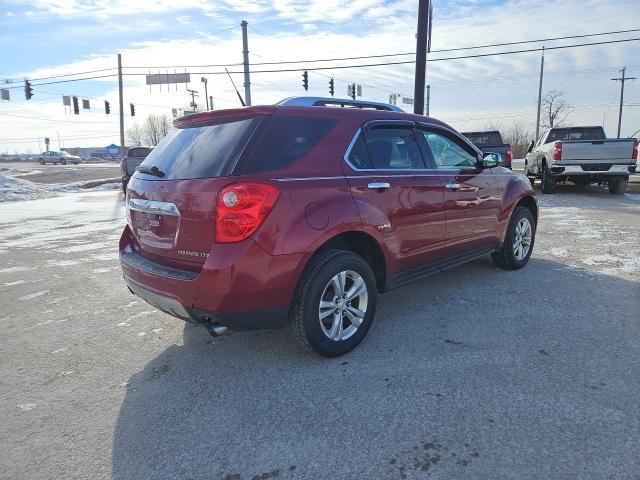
(474, 373)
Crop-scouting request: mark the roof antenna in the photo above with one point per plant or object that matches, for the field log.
(234, 86)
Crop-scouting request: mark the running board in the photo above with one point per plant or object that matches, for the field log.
(418, 273)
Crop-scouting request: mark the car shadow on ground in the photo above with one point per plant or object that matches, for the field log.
(472, 373)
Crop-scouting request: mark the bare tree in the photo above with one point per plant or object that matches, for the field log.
(152, 130)
(134, 135)
(555, 109)
(155, 128)
(519, 136)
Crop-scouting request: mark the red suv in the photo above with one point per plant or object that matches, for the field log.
(299, 214)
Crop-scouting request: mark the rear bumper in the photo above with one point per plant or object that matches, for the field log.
(270, 318)
(560, 170)
(240, 285)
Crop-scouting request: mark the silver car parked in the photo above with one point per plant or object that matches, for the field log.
(58, 158)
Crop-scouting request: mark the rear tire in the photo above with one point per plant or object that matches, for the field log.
(618, 186)
(63, 162)
(548, 182)
(321, 318)
(41, 162)
(521, 232)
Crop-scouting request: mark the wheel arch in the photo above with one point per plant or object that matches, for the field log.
(362, 244)
(528, 201)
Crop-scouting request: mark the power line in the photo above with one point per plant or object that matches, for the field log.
(62, 75)
(317, 60)
(49, 119)
(67, 81)
(408, 62)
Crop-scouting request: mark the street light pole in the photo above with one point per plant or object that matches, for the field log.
(245, 61)
(206, 94)
(121, 103)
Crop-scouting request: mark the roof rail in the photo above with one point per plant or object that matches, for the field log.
(336, 102)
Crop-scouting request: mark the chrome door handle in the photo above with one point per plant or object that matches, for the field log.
(378, 185)
(452, 186)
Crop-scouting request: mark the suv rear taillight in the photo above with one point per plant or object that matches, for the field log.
(557, 151)
(241, 208)
(508, 156)
(634, 154)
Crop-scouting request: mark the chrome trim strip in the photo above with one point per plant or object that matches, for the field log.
(153, 206)
(302, 179)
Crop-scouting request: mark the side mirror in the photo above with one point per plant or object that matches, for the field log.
(491, 160)
(531, 145)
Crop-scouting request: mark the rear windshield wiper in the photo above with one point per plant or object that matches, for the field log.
(150, 170)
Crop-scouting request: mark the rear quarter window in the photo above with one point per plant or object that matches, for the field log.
(284, 140)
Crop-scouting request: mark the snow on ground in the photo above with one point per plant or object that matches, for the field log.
(591, 232)
(13, 189)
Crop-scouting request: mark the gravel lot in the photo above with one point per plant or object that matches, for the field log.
(476, 373)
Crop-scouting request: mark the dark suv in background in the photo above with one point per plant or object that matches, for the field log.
(135, 156)
(299, 214)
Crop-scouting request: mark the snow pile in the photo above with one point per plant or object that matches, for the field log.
(16, 189)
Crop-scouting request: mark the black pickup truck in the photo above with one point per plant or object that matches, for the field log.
(135, 156)
(491, 142)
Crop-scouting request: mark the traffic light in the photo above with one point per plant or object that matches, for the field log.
(331, 89)
(305, 80)
(28, 91)
(133, 110)
(107, 107)
(353, 91)
(76, 107)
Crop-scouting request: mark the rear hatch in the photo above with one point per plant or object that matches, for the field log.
(172, 196)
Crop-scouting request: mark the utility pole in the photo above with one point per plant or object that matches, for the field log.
(206, 93)
(540, 94)
(428, 98)
(59, 146)
(194, 94)
(245, 61)
(423, 45)
(622, 80)
(121, 101)
(210, 102)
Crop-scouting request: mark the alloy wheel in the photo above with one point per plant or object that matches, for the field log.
(343, 305)
(522, 239)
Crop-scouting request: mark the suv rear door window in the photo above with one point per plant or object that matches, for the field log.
(393, 148)
(199, 152)
(285, 139)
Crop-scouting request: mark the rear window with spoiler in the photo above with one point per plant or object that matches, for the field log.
(242, 146)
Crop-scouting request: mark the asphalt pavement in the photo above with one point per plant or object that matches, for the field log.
(475, 373)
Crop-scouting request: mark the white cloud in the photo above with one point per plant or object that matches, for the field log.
(468, 93)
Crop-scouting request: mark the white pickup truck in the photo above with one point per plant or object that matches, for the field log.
(581, 155)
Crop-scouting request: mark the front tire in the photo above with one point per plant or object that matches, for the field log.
(334, 303)
(618, 186)
(518, 241)
(41, 162)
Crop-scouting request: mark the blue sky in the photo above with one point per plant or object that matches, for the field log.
(51, 37)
